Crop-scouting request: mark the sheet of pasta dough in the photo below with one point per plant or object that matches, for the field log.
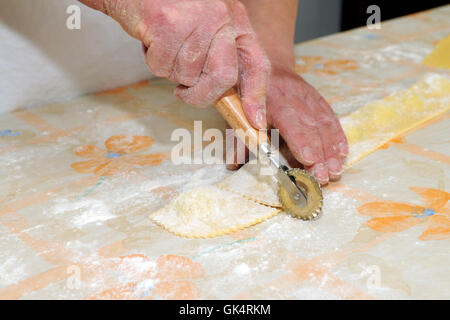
(209, 212)
(251, 184)
(372, 126)
(247, 198)
(440, 56)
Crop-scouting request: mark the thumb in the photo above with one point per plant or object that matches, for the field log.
(127, 13)
(236, 152)
(254, 67)
(104, 6)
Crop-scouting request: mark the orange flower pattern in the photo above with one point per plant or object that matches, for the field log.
(397, 217)
(171, 279)
(119, 157)
(321, 66)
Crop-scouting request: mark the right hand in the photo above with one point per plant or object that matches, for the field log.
(206, 46)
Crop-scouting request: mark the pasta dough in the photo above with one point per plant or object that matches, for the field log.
(209, 212)
(440, 56)
(248, 183)
(247, 198)
(370, 127)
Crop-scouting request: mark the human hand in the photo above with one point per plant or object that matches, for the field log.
(206, 47)
(307, 124)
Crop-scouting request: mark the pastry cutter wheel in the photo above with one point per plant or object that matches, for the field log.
(299, 192)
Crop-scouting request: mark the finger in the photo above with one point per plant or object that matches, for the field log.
(182, 30)
(320, 172)
(102, 6)
(339, 138)
(330, 150)
(302, 139)
(254, 74)
(144, 48)
(160, 57)
(165, 45)
(236, 152)
(316, 102)
(315, 142)
(342, 143)
(254, 68)
(193, 53)
(331, 135)
(219, 74)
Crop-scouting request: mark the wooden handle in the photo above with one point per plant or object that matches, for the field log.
(230, 107)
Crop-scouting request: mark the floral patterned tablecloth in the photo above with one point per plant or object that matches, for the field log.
(80, 178)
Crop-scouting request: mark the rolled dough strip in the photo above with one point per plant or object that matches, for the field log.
(440, 56)
(380, 121)
(244, 198)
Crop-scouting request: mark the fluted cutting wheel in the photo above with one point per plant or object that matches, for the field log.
(311, 189)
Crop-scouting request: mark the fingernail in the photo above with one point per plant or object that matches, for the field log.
(334, 166)
(233, 166)
(343, 149)
(308, 156)
(261, 120)
(320, 171)
(144, 48)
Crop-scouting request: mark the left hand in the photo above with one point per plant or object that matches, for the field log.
(307, 124)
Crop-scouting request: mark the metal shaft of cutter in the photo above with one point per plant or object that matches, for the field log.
(275, 158)
(230, 107)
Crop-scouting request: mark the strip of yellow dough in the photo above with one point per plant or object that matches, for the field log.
(247, 198)
(378, 122)
(440, 56)
(367, 129)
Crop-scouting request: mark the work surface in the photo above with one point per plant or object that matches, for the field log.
(70, 229)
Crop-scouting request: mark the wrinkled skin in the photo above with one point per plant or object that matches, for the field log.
(207, 47)
(307, 124)
(306, 121)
